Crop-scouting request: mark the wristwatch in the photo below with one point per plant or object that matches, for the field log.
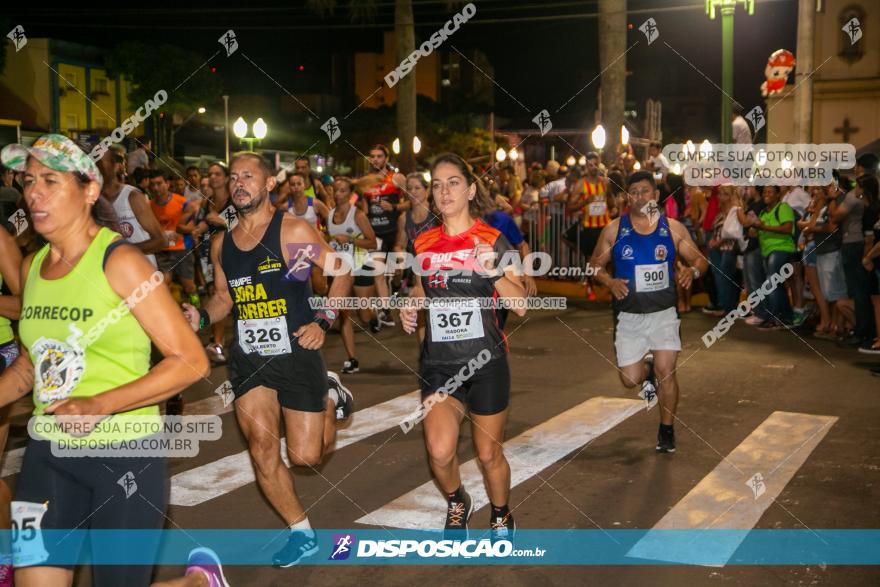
(696, 272)
(325, 318)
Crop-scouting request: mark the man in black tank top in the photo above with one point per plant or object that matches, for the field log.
(261, 275)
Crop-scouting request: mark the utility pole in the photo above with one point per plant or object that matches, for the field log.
(803, 93)
(226, 125)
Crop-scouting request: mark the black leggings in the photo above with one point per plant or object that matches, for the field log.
(90, 493)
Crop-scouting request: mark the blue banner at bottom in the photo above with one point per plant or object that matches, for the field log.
(33, 546)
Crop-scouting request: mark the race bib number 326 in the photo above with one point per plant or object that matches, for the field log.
(264, 336)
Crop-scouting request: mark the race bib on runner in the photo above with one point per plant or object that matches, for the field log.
(207, 269)
(264, 336)
(456, 324)
(27, 537)
(597, 208)
(652, 277)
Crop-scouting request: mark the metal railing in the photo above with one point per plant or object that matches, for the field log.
(548, 227)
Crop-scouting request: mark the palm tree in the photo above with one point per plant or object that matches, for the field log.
(612, 64)
(404, 30)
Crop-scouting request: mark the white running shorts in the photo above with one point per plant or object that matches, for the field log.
(637, 334)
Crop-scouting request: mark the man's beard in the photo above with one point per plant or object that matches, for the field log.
(374, 169)
(250, 207)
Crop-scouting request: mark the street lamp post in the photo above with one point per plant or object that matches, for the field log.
(240, 128)
(598, 138)
(727, 8)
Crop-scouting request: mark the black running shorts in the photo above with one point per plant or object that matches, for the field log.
(485, 393)
(299, 378)
(108, 493)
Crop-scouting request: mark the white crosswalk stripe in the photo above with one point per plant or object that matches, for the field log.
(529, 453)
(738, 491)
(198, 485)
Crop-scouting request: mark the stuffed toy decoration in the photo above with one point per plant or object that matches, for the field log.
(779, 65)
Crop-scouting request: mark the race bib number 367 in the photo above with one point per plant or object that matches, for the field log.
(456, 324)
(264, 336)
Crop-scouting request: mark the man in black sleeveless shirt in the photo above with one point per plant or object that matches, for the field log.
(261, 273)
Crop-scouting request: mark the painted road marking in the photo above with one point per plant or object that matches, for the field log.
(198, 485)
(529, 453)
(737, 491)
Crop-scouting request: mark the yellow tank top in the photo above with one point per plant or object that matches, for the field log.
(82, 339)
(596, 214)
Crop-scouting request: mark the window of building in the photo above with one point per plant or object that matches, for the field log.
(851, 46)
(71, 122)
(101, 86)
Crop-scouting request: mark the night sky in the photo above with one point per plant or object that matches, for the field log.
(542, 63)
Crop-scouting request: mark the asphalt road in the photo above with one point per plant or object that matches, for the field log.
(616, 481)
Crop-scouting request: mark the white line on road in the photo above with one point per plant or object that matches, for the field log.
(737, 491)
(424, 508)
(198, 485)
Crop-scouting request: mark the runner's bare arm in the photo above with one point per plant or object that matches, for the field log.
(686, 249)
(368, 240)
(511, 287)
(295, 231)
(503, 204)
(322, 210)
(184, 361)
(602, 253)
(144, 214)
(574, 202)
(400, 241)
(602, 256)
(218, 305)
(186, 225)
(18, 379)
(409, 317)
(10, 266)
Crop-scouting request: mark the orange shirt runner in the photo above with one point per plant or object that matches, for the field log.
(169, 216)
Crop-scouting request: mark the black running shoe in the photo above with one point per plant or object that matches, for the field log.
(350, 366)
(299, 546)
(457, 515)
(385, 318)
(666, 441)
(503, 527)
(174, 405)
(375, 325)
(345, 400)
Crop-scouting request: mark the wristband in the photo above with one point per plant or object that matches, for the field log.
(204, 318)
(325, 319)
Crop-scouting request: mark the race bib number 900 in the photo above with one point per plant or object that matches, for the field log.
(264, 336)
(456, 324)
(652, 277)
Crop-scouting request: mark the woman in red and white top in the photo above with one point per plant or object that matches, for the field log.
(464, 353)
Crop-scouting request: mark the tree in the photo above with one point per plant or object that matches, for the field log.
(404, 31)
(612, 64)
(181, 74)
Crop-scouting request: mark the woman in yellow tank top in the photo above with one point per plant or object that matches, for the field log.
(88, 311)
